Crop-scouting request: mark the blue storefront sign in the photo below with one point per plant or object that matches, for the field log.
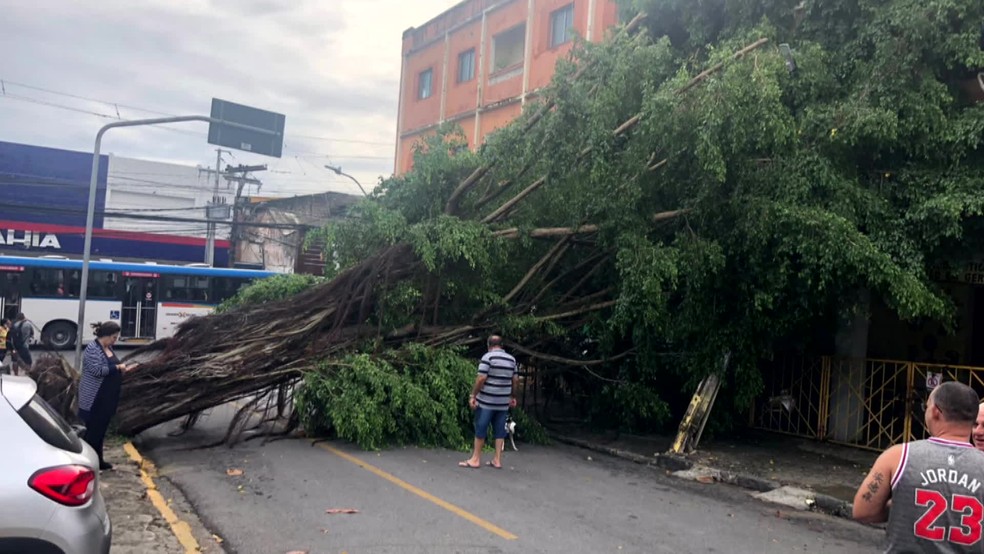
(43, 194)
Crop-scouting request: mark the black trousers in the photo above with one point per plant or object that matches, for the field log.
(24, 353)
(96, 424)
(98, 417)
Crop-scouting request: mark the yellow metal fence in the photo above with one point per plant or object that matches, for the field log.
(866, 403)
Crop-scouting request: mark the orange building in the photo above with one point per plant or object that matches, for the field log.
(478, 63)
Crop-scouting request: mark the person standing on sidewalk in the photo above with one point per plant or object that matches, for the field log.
(21, 333)
(930, 491)
(99, 387)
(4, 330)
(491, 398)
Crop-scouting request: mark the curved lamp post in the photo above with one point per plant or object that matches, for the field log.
(338, 171)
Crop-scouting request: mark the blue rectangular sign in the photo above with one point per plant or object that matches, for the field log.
(267, 140)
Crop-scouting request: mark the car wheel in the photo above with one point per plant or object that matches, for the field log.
(59, 335)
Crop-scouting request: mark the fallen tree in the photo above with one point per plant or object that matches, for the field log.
(677, 193)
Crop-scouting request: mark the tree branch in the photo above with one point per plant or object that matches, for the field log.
(552, 232)
(505, 208)
(557, 250)
(708, 72)
(452, 203)
(579, 311)
(565, 361)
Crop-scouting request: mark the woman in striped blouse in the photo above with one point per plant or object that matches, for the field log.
(99, 388)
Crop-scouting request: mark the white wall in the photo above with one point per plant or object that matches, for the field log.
(183, 191)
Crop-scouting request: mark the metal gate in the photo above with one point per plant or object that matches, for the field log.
(867, 403)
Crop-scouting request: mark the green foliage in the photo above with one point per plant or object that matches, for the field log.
(859, 171)
(528, 429)
(415, 395)
(370, 227)
(632, 406)
(445, 240)
(273, 288)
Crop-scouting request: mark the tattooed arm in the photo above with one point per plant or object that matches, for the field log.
(873, 498)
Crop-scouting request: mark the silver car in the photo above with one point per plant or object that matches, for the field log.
(49, 485)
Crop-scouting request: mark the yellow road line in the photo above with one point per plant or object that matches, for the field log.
(421, 493)
(180, 528)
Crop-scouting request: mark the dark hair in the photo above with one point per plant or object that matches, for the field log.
(5, 321)
(957, 401)
(105, 329)
(494, 340)
(20, 316)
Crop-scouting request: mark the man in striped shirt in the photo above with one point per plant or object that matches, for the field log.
(491, 398)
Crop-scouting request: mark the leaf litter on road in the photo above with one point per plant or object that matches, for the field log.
(341, 511)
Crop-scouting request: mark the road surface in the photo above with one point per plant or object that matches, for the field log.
(547, 499)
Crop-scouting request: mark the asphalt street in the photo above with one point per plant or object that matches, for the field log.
(546, 499)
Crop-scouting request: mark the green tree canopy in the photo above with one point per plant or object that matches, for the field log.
(720, 176)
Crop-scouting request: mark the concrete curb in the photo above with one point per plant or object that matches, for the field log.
(675, 462)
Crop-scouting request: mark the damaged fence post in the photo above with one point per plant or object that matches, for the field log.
(694, 421)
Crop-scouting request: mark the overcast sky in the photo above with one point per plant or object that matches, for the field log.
(331, 66)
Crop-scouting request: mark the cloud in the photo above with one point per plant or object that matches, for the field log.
(332, 67)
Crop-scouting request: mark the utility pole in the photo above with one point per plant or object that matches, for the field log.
(212, 210)
(239, 175)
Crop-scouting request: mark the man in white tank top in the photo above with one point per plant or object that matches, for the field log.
(931, 492)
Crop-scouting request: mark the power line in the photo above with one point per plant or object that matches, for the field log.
(49, 91)
(185, 131)
(118, 105)
(90, 112)
(123, 215)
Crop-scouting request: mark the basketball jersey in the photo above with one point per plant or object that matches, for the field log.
(937, 498)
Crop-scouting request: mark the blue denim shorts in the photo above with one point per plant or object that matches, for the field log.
(484, 416)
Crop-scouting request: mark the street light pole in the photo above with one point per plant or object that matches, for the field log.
(338, 171)
(91, 211)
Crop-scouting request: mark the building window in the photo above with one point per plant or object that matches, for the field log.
(466, 66)
(508, 48)
(425, 84)
(562, 26)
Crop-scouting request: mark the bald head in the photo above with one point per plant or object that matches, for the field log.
(957, 402)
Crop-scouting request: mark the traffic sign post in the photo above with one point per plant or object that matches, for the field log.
(245, 128)
(257, 131)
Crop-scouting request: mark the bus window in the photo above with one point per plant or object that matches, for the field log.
(224, 288)
(186, 288)
(199, 288)
(10, 293)
(102, 284)
(48, 282)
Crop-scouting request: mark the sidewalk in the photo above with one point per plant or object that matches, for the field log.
(139, 526)
(790, 470)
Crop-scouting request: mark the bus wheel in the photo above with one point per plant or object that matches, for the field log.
(59, 335)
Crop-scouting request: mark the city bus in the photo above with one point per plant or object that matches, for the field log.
(149, 300)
